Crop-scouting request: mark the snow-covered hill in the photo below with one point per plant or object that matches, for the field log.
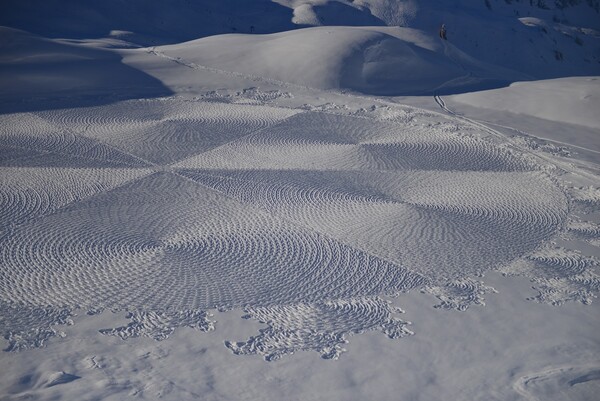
(372, 60)
(387, 47)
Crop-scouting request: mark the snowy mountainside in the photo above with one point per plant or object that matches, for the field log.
(538, 39)
(178, 20)
(541, 39)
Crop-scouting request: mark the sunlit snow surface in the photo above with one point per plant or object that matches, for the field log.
(170, 208)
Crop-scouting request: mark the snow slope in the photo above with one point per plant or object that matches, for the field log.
(369, 60)
(540, 38)
(582, 94)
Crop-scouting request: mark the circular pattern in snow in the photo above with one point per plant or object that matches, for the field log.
(178, 205)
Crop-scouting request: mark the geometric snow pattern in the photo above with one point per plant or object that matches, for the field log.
(168, 207)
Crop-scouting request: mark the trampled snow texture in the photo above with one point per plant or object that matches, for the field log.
(166, 208)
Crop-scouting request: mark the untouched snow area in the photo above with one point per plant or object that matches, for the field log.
(392, 215)
(574, 100)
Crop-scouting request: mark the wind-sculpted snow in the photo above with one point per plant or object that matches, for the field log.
(167, 208)
(574, 382)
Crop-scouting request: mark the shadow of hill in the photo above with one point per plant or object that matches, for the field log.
(40, 74)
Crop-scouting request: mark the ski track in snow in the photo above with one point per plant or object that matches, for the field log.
(167, 208)
(573, 382)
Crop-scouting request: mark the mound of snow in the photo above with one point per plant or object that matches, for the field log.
(382, 61)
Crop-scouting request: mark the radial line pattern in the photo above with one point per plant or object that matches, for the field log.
(168, 207)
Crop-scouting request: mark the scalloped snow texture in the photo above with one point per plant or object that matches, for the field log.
(25, 328)
(159, 325)
(167, 208)
(321, 327)
(460, 294)
(559, 275)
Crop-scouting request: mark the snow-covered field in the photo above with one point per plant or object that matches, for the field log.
(379, 238)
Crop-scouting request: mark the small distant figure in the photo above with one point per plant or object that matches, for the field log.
(443, 32)
(251, 28)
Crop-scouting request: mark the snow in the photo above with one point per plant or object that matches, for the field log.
(574, 100)
(34, 67)
(481, 353)
(378, 237)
